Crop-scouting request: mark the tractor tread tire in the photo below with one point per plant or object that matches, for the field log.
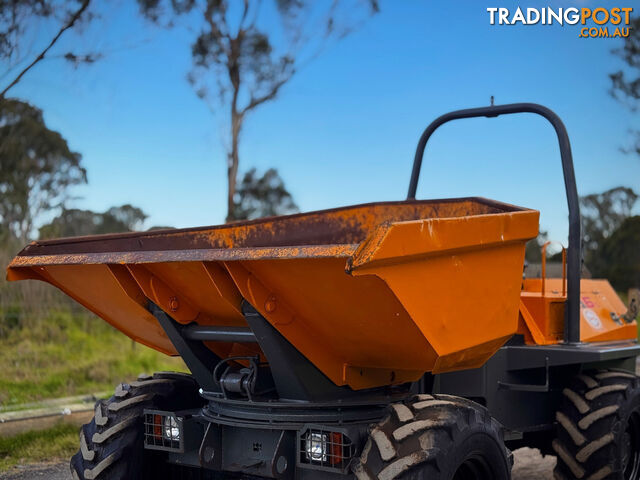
(111, 444)
(418, 439)
(591, 423)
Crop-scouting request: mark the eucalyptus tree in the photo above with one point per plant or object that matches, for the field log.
(244, 52)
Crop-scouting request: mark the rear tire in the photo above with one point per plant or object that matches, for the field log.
(598, 432)
(112, 444)
(435, 437)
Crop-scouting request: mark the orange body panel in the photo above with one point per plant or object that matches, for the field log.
(373, 295)
(459, 279)
(542, 315)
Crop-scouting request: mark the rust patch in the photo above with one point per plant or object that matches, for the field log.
(342, 226)
(159, 256)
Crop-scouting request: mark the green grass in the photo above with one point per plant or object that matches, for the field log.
(56, 443)
(67, 354)
(62, 354)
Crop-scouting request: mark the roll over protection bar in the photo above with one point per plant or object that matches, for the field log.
(574, 260)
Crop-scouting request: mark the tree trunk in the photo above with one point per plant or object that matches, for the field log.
(233, 156)
(233, 160)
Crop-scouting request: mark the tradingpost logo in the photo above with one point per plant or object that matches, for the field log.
(592, 22)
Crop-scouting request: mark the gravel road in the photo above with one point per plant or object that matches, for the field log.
(528, 465)
(58, 471)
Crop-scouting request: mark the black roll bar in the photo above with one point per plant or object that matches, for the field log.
(574, 254)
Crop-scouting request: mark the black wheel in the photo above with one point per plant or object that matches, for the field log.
(435, 437)
(598, 434)
(112, 444)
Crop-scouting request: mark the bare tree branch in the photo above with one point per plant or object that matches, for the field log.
(273, 92)
(245, 12)
(70, 23)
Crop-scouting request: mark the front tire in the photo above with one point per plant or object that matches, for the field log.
(435, 437)
(112, 444)
(598, 433)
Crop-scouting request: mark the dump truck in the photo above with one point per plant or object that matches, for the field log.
(395, 340)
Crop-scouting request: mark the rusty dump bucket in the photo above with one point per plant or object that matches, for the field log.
(373, 294)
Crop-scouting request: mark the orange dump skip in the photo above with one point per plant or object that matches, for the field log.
(373, 295)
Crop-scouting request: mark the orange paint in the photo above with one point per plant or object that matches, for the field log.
(542, 312)
(373, 295)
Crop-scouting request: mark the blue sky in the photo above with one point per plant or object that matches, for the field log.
(344, 130)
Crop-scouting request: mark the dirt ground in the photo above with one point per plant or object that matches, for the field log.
(528, 465)
(58, 471)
